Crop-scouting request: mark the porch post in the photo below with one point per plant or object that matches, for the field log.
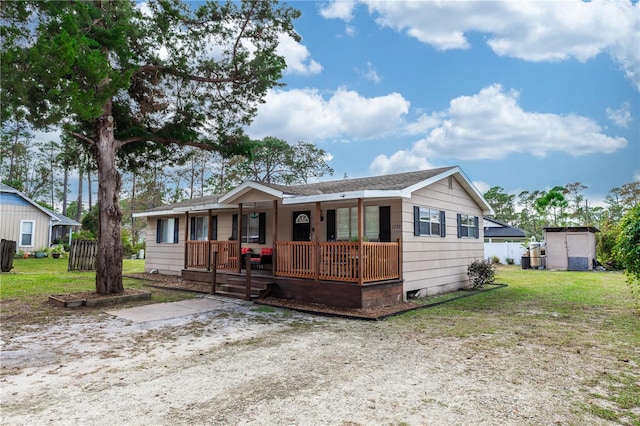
(274, 257)
(186, 239)
(209, 235)
(316, 245)
(400, 259)
(239, 236)
(360, 237)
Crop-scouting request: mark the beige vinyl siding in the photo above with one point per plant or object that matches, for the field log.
(434, 264)
(13, 215)
(166, 258)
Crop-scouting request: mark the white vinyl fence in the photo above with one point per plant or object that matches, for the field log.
(504, 250)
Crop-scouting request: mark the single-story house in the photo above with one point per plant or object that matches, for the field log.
(570, 248)
(28, 223)
(503, 241)
(352, 243)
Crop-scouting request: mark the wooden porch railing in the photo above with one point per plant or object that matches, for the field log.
(200, 255)
(328, 261)
(338, 261)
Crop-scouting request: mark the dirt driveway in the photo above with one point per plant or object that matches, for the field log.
(245, 364)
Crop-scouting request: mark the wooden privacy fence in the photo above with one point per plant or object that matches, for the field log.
(7, 251)
(82, 255)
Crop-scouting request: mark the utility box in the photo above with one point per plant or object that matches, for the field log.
(570, 248)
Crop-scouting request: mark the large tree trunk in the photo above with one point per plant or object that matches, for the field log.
(109, 260)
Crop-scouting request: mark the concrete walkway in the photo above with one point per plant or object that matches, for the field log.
(183, 308)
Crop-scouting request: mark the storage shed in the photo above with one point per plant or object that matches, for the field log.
(570, 248)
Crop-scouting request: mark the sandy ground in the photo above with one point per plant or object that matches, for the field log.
(254, 366)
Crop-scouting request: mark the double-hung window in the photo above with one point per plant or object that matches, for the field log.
(199, 228)
(428, 221)
(27, 228)
(167, 231)
(347, 223)
(468, 226)
(254, 227)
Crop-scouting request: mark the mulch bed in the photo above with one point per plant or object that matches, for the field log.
(91, 298)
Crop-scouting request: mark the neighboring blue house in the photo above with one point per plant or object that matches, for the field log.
(29, 224)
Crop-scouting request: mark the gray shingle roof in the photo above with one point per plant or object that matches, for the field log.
(396, 181)
(207, 199)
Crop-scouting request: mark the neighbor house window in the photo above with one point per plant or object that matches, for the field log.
(167, 231)
(428, 221)
(26, 233)
(468, 226)
(254, 227)
(199, 228)
(347, 223)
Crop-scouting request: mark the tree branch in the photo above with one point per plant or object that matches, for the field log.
(171, 71)
(167, 141)
(83, 138)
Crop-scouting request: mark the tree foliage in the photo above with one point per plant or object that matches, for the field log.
(503, 204)
(275, 161)
(140, 80)
(628, 248)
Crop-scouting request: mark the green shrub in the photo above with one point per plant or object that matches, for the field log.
(510, 261)
(480, 272)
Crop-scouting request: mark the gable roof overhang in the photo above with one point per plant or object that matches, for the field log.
(250, 192)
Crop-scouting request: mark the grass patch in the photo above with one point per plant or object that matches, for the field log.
(565, 312)
(264, 309)
(25, 290)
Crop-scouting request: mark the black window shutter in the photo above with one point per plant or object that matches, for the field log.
(176, 230)
(475, 224)
(443, 224)
(331, 225)
(193, 228)
(214, 227)
(416, 220)
(159, 231)
(262, 228)
(459, 225)
(234, 227)
(385, 224)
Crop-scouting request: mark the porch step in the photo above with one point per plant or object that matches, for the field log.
(239, 290)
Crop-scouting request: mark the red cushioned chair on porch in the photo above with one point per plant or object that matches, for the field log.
(264, 258)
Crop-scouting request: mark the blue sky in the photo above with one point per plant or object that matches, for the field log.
(523, 95)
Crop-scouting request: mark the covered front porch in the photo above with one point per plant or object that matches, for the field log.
(344, 274)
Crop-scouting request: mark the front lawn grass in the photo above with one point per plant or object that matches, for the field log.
(24, 291)
(566, 312)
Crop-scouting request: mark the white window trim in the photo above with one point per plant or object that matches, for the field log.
(33, 232)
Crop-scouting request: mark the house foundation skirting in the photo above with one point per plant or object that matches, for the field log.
(330, 293)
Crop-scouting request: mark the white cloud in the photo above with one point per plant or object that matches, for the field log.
(401, 161)
(342, 9)
(528, 30)
(491, 125)
(481, 186)
(297, 56)
(370, 73)
(620, 116)
(304, 114)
